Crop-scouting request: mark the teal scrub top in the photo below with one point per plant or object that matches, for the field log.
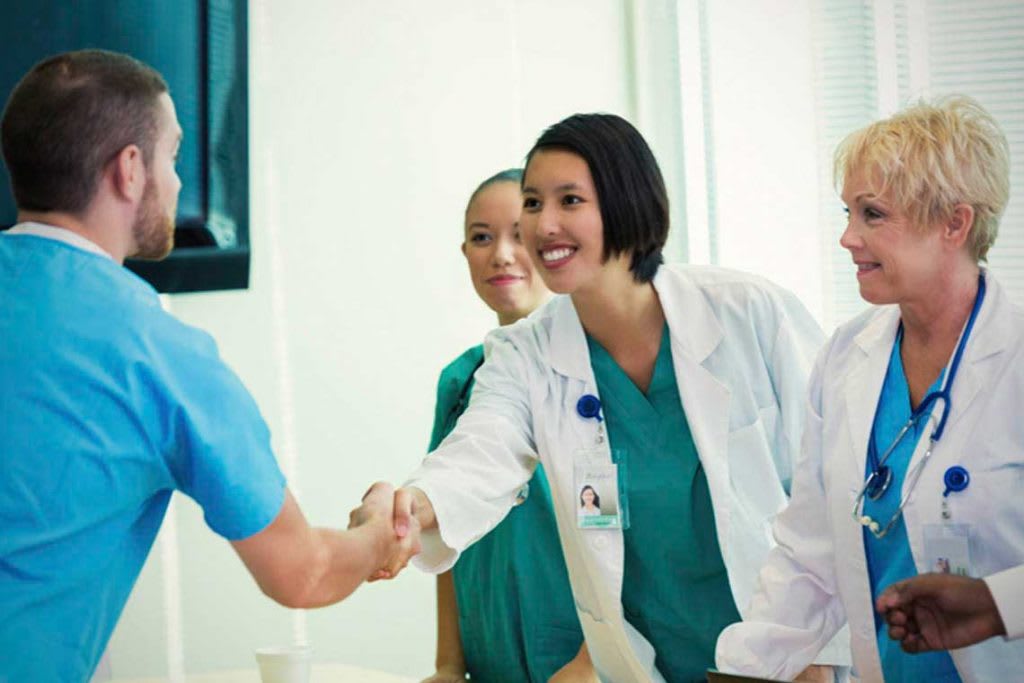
(517, 617)
(889, 558)
(675, 590)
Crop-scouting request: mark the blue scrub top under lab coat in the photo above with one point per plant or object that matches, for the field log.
(675, 589)
(889, 558)
(107, 405)
(517, 618)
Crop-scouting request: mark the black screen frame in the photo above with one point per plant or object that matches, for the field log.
(212, 229)
(208, 268)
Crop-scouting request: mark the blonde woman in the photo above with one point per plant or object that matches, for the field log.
(912, 453)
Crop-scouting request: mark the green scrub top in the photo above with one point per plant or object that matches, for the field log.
(675, 590)
(517, 617)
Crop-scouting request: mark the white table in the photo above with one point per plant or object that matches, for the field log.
(322, 673)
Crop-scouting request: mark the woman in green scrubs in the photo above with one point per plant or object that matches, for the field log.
(505, 611)
(677, 593)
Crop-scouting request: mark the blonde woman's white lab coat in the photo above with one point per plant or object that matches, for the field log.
(742, 350)
(817, 577)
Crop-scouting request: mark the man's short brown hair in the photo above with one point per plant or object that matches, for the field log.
(68, 117)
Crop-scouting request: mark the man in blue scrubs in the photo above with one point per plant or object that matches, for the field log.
(107, 403)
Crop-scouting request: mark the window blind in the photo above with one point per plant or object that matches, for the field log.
(940, 47)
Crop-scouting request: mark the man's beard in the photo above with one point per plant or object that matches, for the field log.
(153, 230)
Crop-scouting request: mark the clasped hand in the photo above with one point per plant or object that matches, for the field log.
(389, 513)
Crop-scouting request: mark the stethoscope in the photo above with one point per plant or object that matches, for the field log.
(956, 478)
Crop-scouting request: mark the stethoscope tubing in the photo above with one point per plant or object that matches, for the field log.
(929, 400)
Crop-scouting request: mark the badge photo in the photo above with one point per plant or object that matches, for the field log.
(598, 493)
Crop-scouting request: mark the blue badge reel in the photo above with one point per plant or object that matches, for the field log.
(947, 546)
(956, 480)
(589, 407)
(600, 486)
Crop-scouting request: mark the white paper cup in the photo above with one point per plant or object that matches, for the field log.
(284, 664)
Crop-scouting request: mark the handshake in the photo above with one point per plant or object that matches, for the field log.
(392, 519)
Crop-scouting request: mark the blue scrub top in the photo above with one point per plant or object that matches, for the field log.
(889, 558)
(675, 589)
(107, 405)
(517, 617)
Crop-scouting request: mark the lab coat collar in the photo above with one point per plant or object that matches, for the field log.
(992, 330)
(881, 331)
(693, 326)
(866, 377)
(569, 354)
(994, 327)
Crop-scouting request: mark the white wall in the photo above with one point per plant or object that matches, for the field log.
(370, 125)
(764, 130)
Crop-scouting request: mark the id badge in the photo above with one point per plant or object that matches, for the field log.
(600, 497)
(947, 548)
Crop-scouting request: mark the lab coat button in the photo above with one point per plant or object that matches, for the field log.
(600, 542)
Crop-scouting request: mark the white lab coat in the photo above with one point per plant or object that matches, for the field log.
(817, 576)
(742, 351)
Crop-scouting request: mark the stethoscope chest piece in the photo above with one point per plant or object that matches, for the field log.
(879, 483)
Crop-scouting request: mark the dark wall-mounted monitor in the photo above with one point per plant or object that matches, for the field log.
(201, 48)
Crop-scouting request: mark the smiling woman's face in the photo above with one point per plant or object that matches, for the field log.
(561, 221)
(502, 272)
(897, 260)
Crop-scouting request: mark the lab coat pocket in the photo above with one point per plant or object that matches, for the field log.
(995, 477)
(752, 472)
(990, 503)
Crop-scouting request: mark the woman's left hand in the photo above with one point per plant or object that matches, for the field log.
(816, 673)
(579, 670)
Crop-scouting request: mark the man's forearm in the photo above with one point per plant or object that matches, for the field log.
(301, 566)
(344, 560)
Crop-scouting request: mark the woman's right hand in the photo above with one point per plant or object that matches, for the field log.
(445, 675)
(393, 513)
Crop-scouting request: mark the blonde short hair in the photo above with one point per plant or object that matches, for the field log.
(932, 156)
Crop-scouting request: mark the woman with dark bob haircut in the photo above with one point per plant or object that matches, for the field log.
(634, 204)
(685, 384)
